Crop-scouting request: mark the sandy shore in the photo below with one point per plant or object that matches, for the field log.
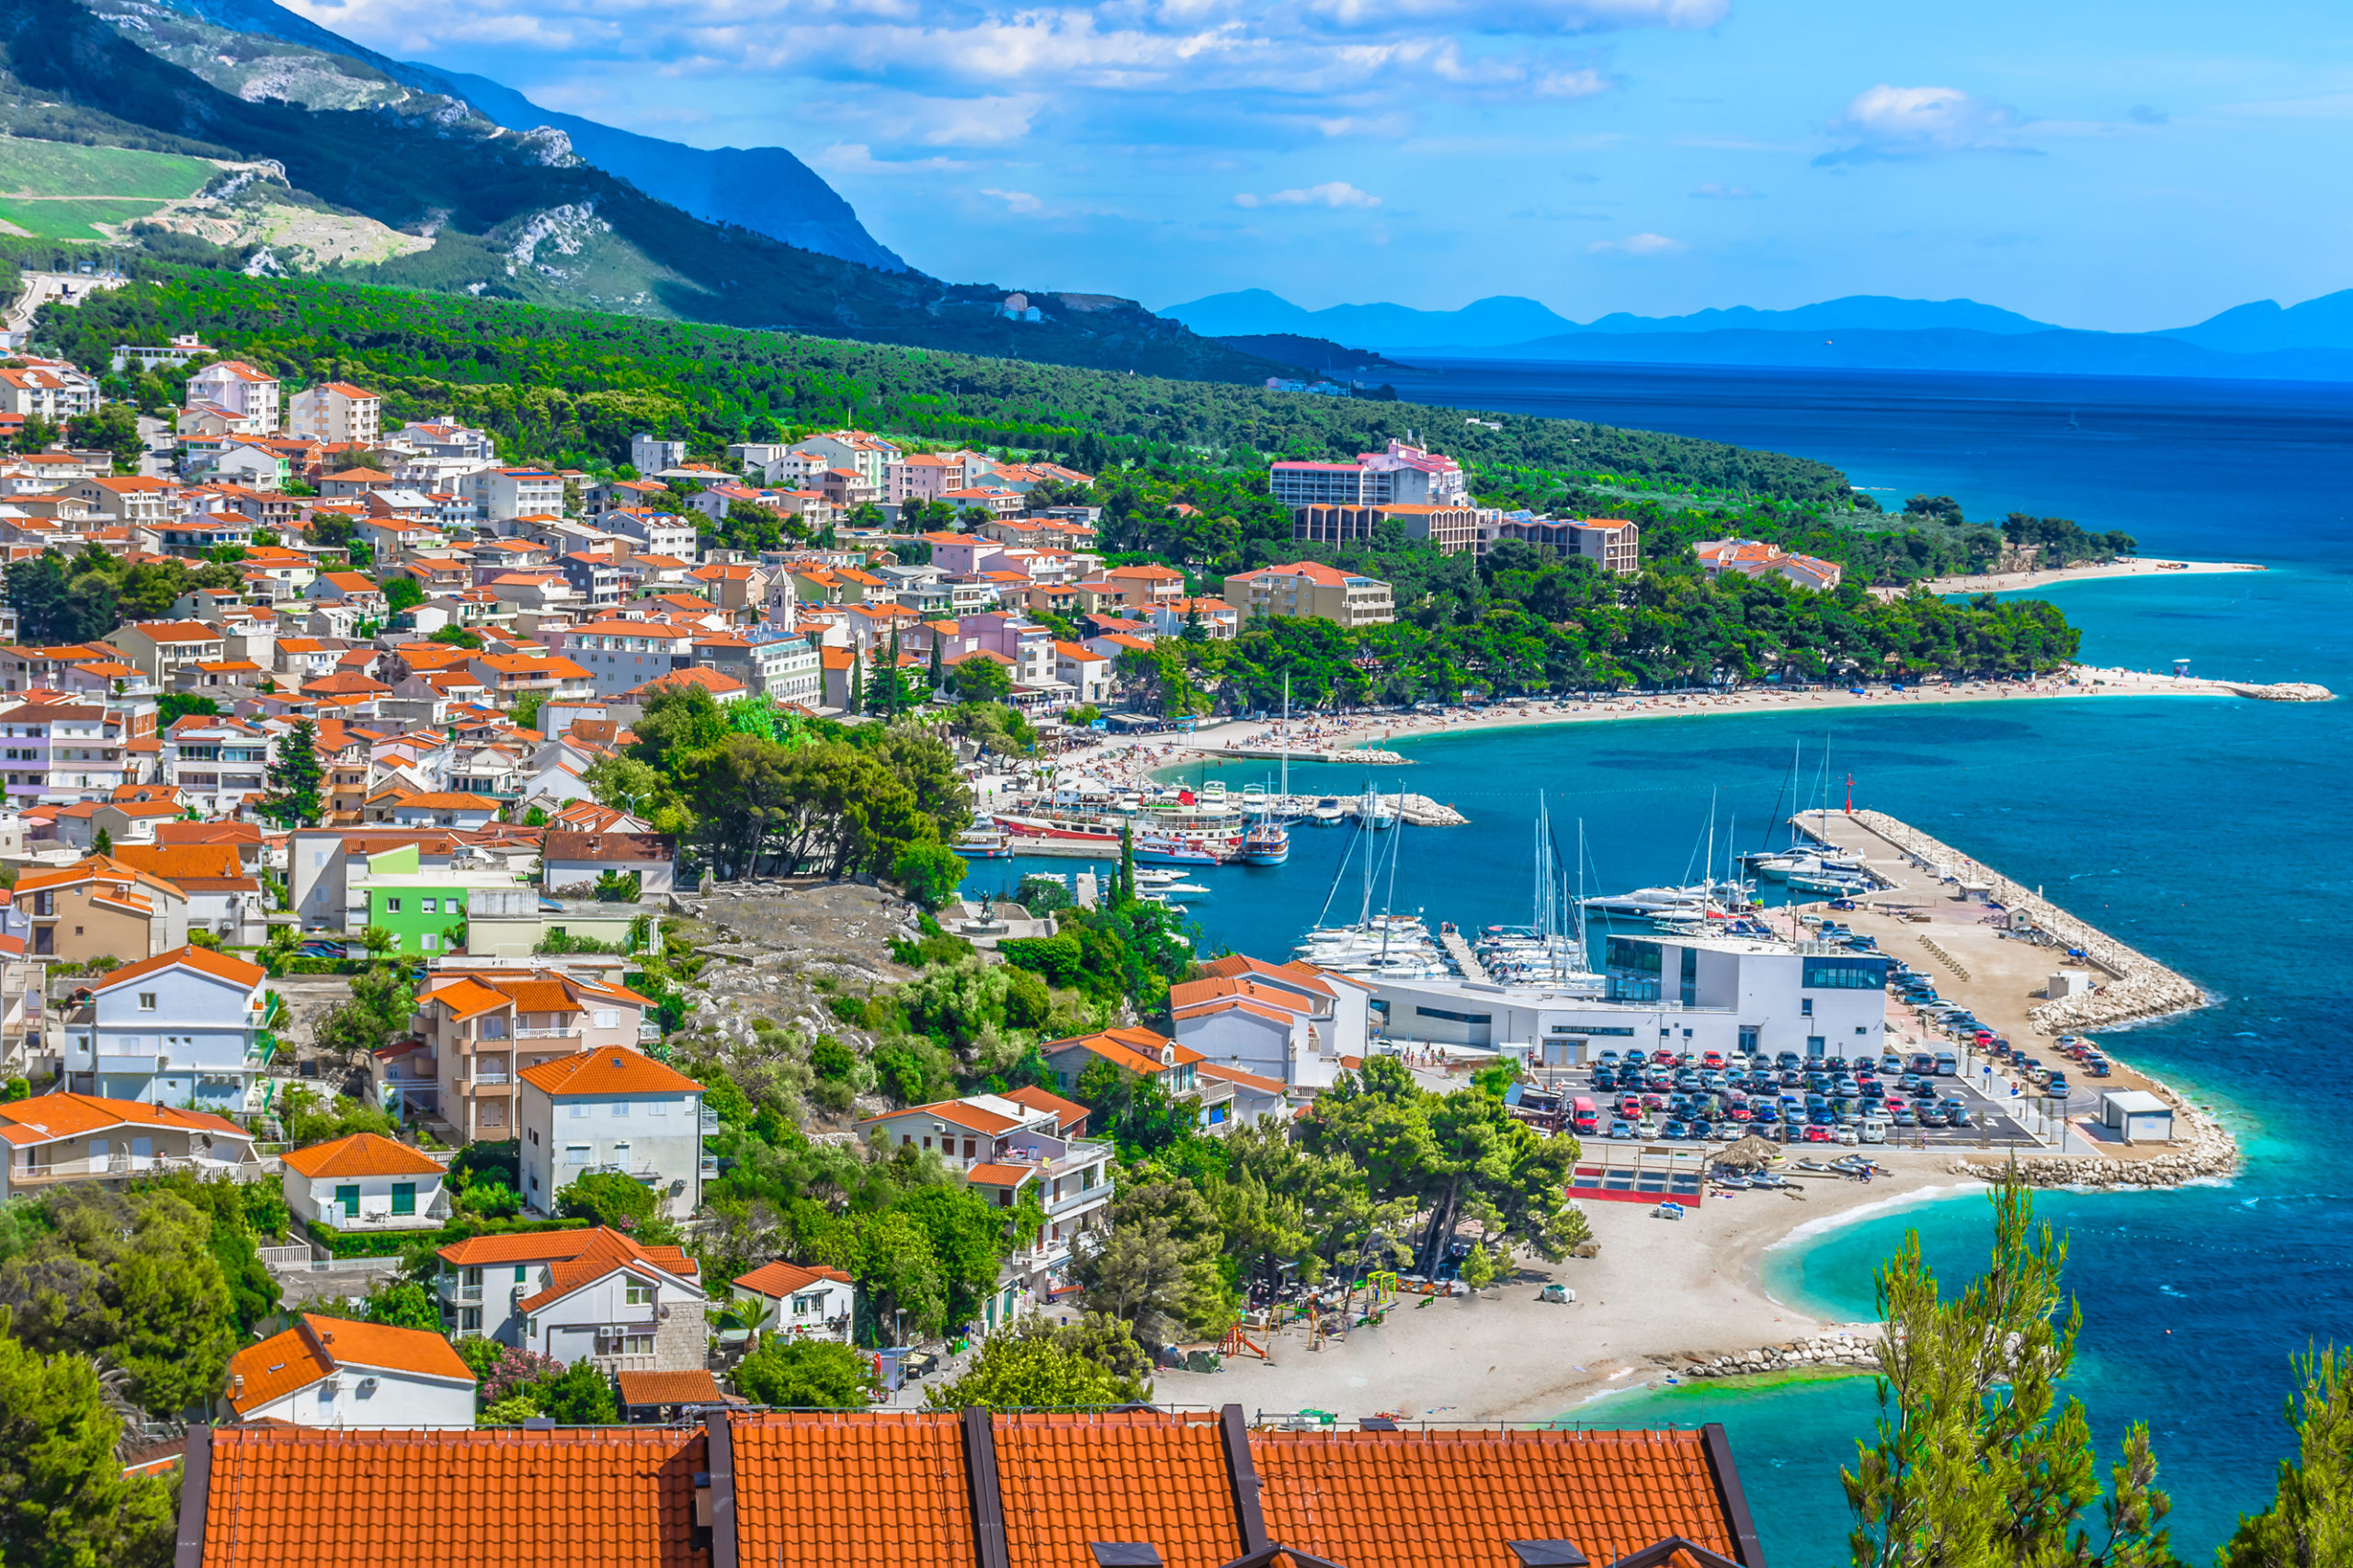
(1659, 1288)
(2011, 582)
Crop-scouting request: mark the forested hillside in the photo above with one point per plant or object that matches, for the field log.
(573, 385)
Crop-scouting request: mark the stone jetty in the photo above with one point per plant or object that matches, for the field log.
(1856, 1347)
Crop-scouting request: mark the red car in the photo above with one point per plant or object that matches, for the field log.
(1818, 1135)
(1713, 1060)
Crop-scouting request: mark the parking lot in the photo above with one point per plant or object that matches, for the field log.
(1935, 1064)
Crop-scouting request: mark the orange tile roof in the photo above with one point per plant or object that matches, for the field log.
(526, 1246)
(1137, 1049)
(696, 1387)
(1404, 1499)
(609, 1253)
(221, 966)
(607, 1069)
(1258, 1081)
(834, 1489)
(362, 1155)
(963, 1113)
(316, 1345)
(1068, 1114)
(780, 1280)
(989, 1173)
(616, 1496)
(1070, 1480)
(176, 863)
(45, 1117)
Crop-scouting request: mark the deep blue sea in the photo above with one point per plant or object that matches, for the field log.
(2213, 833)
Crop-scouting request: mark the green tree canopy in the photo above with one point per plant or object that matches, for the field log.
(804, 1374)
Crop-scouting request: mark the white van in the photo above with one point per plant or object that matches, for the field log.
(1875, 1131)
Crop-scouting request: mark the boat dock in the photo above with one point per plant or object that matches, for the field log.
(1458, 952)
(1304, 754)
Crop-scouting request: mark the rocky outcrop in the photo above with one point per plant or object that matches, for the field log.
(2285, 692)
(1856, 1347)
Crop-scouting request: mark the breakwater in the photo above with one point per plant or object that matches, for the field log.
(1857, 1348)
(2138, 986)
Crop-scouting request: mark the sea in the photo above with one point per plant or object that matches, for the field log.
(2213, 834)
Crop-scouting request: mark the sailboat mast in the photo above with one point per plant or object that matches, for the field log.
(1387, 914)
(1284, 804)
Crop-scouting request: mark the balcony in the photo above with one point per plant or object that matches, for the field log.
(572, 1033)
(1071, 1201)
(498, 1075)
(452, 1290)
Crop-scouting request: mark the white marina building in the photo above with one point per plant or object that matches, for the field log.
(1665, 993)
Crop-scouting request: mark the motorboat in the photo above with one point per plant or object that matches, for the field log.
(1843, 884)
(1328, 813)
(1183, 889)
(1157, 875)
(1171, 852)
(1646, 904)
(984, 844)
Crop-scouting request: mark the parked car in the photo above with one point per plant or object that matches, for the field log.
(1956, 1113)
(1818, 1135)
(1620, 1128)
(2057, 1087)
(1948, 1063)
(2096, 1066)
(1874, 1131)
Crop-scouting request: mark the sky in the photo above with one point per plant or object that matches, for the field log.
(2100, 165)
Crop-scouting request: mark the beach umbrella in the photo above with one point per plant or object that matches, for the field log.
(1750, 1153)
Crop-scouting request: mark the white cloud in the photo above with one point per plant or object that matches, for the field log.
(1711, 191)
(1015, 200)
(1918, 122)
(1337, 193)
(1637, 245)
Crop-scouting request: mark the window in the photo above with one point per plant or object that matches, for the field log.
(432, 906)
(348, 1198)
(637, 1345)
(1815, 1045)
(146, 1001)
(1805, 1006)
(393, 906)
(575, 1153)
(969, 1146)
(607, 1018)
(1844, 975)
(658, 1108)
(425, 941)
(638, 1293)
(579, 1109)
(403, 1197)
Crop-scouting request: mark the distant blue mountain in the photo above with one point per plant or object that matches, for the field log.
(2264, 326)
(2313, 341)
(1506, 319)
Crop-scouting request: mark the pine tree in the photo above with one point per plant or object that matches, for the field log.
(294, 778)
(895, 690)
(102, 843)
(936, 677)
(1126, 892)
(856, 703)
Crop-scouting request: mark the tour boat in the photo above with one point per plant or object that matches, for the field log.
(1267, 845)
(1328, 813)
(984, 844)
(1171, 852)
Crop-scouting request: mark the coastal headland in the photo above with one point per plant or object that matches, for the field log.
(2015, 581)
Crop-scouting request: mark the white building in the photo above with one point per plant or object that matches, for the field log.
(503, 494)
(609, 1109)
(792, 670)
(57, 1138)
(1398, 475)
(592, 1295)
(800, 1301)
(184, 1027)
(1697, 994)
(245, 395)
(365, 1182)
(55, 392)
(338, 1372)
(1002, 1145)
(336, 411)
(1287, 1023)
(651, 454)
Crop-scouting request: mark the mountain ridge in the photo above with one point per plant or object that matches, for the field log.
(765, 189)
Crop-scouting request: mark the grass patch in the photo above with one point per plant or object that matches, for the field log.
(72, 220)
(66, 168)
(1761, 1382)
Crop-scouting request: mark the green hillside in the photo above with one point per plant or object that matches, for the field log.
(70, 217)
(61, 168)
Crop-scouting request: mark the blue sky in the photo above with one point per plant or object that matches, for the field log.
(2099, 165)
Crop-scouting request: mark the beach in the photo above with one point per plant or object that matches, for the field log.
(2013, 581)
(1658, 1293)
(1133, 762)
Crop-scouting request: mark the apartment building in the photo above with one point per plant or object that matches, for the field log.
(1610, 544)
(1310, 591)
(1449, 529)
(484, 1027)
(246, 395)
(1399, 473)
(216, 762)
(336, 411)
(501, 496)
(592, 1295)
(188, 1028)
(54, 393)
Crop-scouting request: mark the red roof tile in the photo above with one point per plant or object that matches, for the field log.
(847, 1491)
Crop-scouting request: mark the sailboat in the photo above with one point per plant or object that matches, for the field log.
(1267, 841)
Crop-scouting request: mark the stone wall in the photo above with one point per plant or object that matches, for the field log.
(1855, 1346)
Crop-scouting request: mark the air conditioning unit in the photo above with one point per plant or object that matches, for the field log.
(367, 1387)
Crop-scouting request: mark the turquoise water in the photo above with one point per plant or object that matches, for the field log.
(2211, 833)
